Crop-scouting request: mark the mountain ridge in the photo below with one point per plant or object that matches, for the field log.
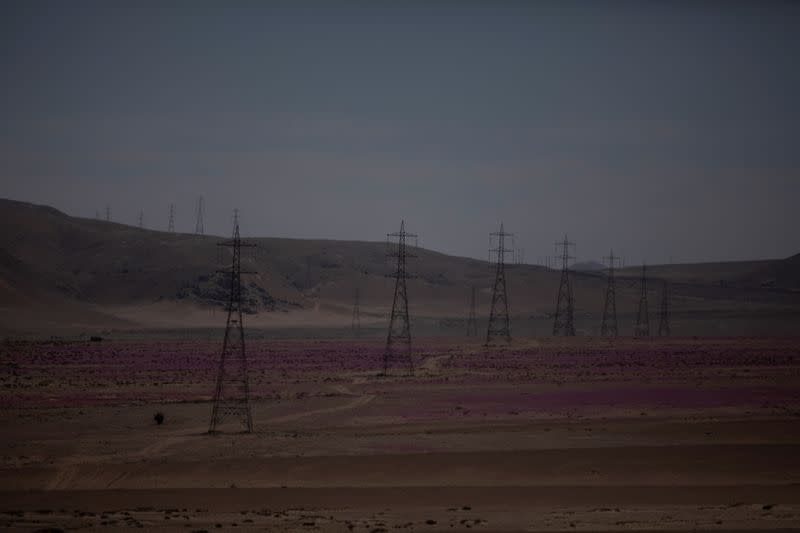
(150, 278)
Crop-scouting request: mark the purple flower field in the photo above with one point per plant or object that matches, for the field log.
(545, 376)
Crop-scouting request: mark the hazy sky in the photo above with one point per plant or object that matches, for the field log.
(666, 130)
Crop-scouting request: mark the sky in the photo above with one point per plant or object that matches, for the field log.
(668, 131)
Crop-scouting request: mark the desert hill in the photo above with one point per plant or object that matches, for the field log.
(65, 273)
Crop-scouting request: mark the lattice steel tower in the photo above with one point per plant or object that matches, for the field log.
(171, 225)
(141, 219)
(398, 340)
(663, 319)
(472, 318)
(643, 319)
(232, 391)
(609, 325)
(198, 225)
(108, 213)
(564, 323)
(357, 313)
(499, 324)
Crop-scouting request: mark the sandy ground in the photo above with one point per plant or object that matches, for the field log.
(583, 435)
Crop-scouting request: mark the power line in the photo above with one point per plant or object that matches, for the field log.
(643, 319)
(472, 319)
(564, 323)
(198, 225)
(499, 326)
(357, 314)
(232, 391)
(609, 325)
(398, 340)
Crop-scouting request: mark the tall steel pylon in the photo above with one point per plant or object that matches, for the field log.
(663, 319)
(499, 324)
(472, 318)
(564, 323)
(643, 319)
(108, 213)
(141, 219)
(398, 340)
(171, 224)
(357, 313)
(232, 391)
(198, 225)
(609, 325)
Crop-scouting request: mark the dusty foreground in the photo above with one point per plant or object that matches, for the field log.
(549, 435)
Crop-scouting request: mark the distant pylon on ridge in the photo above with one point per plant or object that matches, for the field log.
(499, 324)
(564, 323)
(472, 319)
(171, 224)
(232, 390)
(357, 313)
(198, 226)
(141, 219)
(108, 213)
(664, 318)
(609, 325)
(643, 319)
(398, 340)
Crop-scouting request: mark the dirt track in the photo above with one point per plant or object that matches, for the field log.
(554, 437)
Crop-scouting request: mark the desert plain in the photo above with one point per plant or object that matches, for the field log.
(548, 434)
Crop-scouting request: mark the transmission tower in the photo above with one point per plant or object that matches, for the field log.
(198, 225)
(141, 219)
(643, 320)
(232, 391)
(357, 313)
(171, 225)
(663, 319)
(398, 341)
(472, 319)
(564, 323)
(108, 213)
(609, 325)
(499, 326)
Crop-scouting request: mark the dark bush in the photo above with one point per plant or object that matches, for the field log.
(159, 418)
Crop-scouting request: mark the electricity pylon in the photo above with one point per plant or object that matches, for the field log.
(198, 225)
(398, 340)
(171, 225)
(232, 391)
(141, 219)
(472, 319)
(609, 325)
(643, 320)
(499, 326)
(108, 213)
(357, 314)
(564, 323)
(663, 319)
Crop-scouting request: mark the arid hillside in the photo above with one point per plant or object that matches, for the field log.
(64, 275)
